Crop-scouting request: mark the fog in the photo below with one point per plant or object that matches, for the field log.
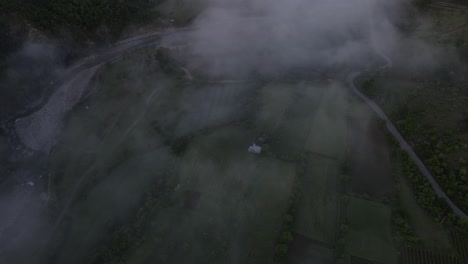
(240, 40)
(28, 73)
(268, 38)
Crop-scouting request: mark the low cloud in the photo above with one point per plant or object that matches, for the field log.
(241, 38)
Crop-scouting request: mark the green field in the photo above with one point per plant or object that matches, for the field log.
(316, 254)
(128, 123)
(445, 18)
(304, 250)
(318, 203)
(369, 235)
(286, 112)
(239, 212)
(109, 201)
(216, 202)
(304, 117)
(274, 100)
(100, 135)
(327, 134)
(447, 24)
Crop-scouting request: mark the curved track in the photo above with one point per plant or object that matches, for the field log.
(63, 98)
(33, 129)
(403, 143)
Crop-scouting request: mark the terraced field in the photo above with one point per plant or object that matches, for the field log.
(328, 129)
(305, 250)
(293, 122)
(460, 242)
(415, 255)
(228, 202)
(318, 206)
(369, 235)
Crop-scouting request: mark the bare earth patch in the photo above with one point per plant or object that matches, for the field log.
(370, 159)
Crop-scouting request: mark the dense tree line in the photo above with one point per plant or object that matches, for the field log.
(286, 237)
(402, 228)
(81, 17)
(440, 151)
(426, 196)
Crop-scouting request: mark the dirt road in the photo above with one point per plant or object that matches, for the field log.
(403, 144)
(36, 128)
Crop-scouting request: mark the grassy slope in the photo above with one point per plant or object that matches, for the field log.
(242, 199)
(318, 205)
(370, 236)
(431, 234)
(328, 133)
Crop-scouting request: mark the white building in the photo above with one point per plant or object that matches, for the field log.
(255, 149)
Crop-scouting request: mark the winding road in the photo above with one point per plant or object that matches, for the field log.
(36, 128)
(53, 107)
(403, 144)
(390, 126)
(33, 131)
